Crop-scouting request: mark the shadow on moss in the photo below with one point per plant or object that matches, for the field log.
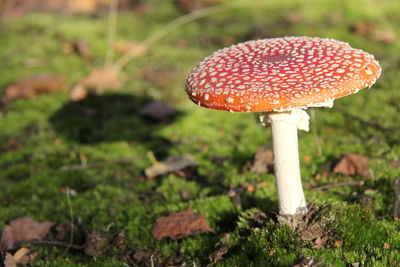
(107, 118)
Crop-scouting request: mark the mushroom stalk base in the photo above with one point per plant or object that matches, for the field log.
(284, 127)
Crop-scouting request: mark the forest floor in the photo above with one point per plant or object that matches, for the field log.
(85, 166)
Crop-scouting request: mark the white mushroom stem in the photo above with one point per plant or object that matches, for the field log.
(284, 127)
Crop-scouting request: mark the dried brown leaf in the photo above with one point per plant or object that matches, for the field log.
(362, 28)
(107, 77)
(78, 92)
(352, 164)
(170, 164)
(17, 8)
(23, 229)
(29, 87)
(338, 243)
(134, 49)
(395, 164)
(180, 223)
(187, 6)
(22, 256)
(9, 261)
(158, 111)
(386, 36)
(263, 161)
(294, 17)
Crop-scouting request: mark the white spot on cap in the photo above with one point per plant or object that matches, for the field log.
(229, 100)
(340, 70)
(206, 97)
(368, 71)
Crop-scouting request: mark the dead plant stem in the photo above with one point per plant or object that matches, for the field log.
(111, 32)
(327, 186)
(124, 60)
(396, 199)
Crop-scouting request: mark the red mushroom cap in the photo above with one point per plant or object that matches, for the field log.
(280, 74)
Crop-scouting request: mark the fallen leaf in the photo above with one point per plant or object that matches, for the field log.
(352, 164)
(319, 243)
(158, 111)
(293, 17)
(17, 8)
(188, 6)
(23, 229)
(395, 164)
(180, 223)
(362, 28)
(82, 6)
(9, 261)
(263, 161)
(170, 164)
(29, 87)
(107, 77)
(386, 245)
(134, 49)
(386, 36)
(367, 30)
(338, 243)
(22, 256)
(100, 78)
(78, 92)
(82, 49)
(307, 158)
(334, 17)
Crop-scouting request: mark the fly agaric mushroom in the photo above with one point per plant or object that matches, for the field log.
(281, 77)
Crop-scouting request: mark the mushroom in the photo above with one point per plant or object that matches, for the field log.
(280, 78)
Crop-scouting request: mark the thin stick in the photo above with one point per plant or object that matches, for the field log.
(121, 63)
(327, 186)
(71, 238)
(112, 29)
(52, 243)
(396, 199)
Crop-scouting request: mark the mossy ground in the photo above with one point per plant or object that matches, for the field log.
(53, 133)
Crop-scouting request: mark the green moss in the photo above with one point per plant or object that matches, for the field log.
(97, 149)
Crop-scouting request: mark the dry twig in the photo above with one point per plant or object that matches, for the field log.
(111, 31)
(327, 186)
(396, 199)
(124, 60)
(53, 243)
